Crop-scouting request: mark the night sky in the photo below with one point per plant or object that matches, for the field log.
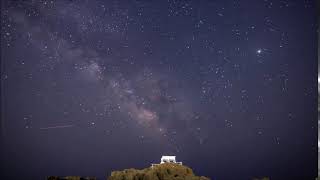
(229, 87)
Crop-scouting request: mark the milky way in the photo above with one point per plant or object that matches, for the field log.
(93, 86)
(150, 99)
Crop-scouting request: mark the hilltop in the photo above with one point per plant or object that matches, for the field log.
(165, 171)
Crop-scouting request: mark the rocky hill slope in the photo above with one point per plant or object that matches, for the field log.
(166, 171)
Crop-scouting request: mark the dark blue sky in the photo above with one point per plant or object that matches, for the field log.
(229, 87)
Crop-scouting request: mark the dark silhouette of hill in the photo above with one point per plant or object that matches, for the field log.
(70, 178)
(166, 171)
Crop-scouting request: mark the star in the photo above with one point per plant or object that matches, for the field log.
(259, 51)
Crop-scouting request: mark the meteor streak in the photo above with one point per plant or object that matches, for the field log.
(57, 127)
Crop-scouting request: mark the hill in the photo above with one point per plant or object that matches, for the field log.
(70, 178)
(166, 171)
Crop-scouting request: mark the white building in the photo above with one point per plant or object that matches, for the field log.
(168, 159)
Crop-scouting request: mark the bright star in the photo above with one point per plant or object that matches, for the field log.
(259, 51)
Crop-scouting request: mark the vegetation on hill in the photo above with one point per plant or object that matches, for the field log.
(264, 178)
(166, 171)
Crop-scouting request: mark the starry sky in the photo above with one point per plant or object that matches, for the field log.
(229, 87)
